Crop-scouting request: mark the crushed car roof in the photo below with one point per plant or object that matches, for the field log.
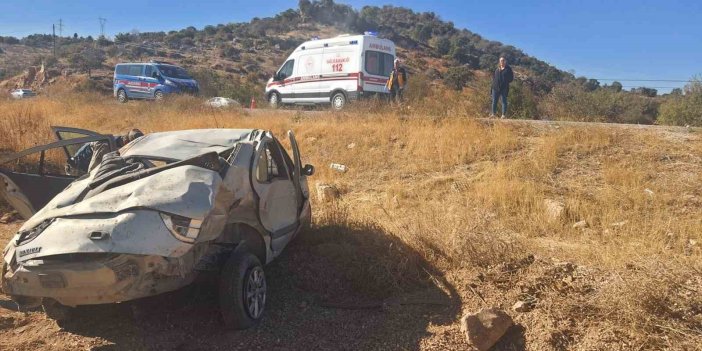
(183, 144)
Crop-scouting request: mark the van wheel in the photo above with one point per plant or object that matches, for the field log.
(274, 100)
(338, 101)
(122, 96)
(158, 95)
(242, 291)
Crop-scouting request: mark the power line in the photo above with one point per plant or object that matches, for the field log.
(60, 27)
(647, 80)
(102, 25)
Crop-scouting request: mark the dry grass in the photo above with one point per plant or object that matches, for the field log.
(460, 198)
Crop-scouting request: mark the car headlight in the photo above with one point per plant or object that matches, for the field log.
(170, 83)
(26, 236)
(183, 228)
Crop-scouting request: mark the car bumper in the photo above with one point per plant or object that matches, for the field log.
(105, 279)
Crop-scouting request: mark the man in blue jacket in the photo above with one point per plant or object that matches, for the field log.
(500, 86)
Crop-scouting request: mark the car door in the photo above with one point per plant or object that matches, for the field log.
(274, 185)
(136, 82)
(31, 178)
(285, 80)
(150, 80)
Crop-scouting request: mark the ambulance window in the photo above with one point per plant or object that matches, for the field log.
(379, 63)
(372, 62)
(135, 70)
(287, 69)
(388, 64)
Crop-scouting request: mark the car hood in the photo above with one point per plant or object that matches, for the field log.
(187, 191)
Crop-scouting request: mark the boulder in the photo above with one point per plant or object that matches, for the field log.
(554, 210)
(326, 192)
(485, 328)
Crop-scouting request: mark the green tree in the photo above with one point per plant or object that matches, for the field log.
(457, 77)
(682, 110)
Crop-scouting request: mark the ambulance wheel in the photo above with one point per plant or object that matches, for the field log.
(122, 96)
(158, 95)
(338, 101)
(274, 100)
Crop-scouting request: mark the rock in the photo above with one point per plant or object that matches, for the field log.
(619, 224)
(326, 192)
(9, 217)
(580, 225)
(485, 328)
(351, 146)
(339, 167)
(554, 209)
(523, 306)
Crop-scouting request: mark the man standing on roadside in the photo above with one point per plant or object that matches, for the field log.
(500, 86)
(397, 82)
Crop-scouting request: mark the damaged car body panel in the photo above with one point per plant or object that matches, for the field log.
(149, 217)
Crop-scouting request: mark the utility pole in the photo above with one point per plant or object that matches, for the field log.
(60, 27)
(53, 36)
(102, 26)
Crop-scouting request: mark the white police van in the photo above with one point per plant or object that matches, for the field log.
(333, 71)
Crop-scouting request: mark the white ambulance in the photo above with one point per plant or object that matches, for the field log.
(333, 71)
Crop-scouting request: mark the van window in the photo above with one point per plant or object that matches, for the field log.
(122, 69)
(287, 69)
(135, 70)
(379, 63)
(148, 71)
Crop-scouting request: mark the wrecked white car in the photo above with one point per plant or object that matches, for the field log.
(152, 216)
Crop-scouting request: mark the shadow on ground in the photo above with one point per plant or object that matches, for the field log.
(340, 287)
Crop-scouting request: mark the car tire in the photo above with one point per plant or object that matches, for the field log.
(338, 101)
(274, 100)
(242, 291)
(158, 95)
(56, 311)
(122, 96)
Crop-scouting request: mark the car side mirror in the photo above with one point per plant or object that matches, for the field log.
(308, 170)
(155, 75)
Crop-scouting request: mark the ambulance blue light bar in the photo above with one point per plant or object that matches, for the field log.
(375, 34)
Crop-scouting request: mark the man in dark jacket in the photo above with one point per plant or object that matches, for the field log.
(500, 86)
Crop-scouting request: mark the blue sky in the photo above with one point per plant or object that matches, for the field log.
(599, 39)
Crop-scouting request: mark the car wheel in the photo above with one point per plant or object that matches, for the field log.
(56, 311)
(122, 96)
(242, 291)
(158, 95)
(338, 101)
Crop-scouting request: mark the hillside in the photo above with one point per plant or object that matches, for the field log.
(236, 59)
(596, 228)
(248, 53)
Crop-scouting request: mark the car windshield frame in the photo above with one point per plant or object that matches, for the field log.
(172, 71)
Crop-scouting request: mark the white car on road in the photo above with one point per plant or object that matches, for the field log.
(222, 102)
(22, 93)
